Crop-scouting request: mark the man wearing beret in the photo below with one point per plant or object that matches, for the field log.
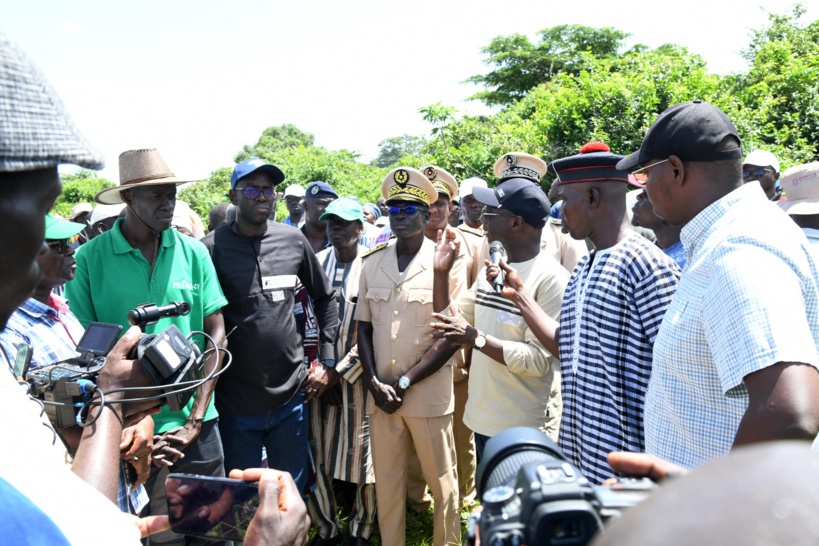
(260, 397)
(316, 198)
(611, 312)
(410, 383)
(735, 360)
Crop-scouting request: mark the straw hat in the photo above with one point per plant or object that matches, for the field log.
(139, 168)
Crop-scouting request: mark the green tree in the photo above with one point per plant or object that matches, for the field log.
(391, 150)
(80, 187)
(519, 65)
(292, 150)
(775, 105)
(275, 140)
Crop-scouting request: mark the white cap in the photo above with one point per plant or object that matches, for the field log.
(294, 189)
(469, 183)
(762, 158)
(101, 212)
(801, 185)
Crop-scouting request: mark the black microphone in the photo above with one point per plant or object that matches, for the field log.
(496, 252)
(148, 313)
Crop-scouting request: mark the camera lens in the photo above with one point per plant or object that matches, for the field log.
(508, 451)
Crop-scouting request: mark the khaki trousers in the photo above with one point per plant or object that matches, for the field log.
(390, 439)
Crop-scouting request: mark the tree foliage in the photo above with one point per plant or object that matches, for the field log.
(519, 65)
(80, 187)
(392, 150)
(776, 103)
(615, 98)
(292, 150)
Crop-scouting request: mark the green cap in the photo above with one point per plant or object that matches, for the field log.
(57, 229)
(347, 209)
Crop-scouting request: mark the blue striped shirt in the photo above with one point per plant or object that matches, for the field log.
(749, 298)
(52, 334)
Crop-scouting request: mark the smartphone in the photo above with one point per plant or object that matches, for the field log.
(214, 508)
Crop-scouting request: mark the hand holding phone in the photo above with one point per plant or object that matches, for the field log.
(214, 508)
(281, 519)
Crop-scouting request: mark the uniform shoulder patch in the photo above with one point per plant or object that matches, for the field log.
(375, 249)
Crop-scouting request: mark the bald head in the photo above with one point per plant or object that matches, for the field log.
(761, 494)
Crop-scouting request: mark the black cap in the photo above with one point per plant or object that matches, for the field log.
(320, 190)
(520, 196)
(692, 131)
(594, 163)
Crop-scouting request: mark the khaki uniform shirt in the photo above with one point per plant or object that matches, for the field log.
(399, 306)
(565, 249)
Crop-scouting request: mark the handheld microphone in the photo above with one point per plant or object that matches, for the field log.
(148, 313)
(496, 252)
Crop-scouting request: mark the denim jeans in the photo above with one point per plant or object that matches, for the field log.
(283, 432)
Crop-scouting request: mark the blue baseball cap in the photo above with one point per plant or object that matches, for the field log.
(519, 196)
(320, 190)
(252, 165)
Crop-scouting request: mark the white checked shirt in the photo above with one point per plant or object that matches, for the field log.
(747, 299)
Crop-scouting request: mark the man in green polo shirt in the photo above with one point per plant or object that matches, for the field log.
(141, 260)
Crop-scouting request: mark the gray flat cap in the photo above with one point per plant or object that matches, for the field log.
(35, 130)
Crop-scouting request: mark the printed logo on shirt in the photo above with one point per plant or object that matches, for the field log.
(279, 282)
(185, 285)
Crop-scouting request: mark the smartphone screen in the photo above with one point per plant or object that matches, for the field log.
(215, 508)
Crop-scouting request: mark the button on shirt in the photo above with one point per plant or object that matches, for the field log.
(748, 299)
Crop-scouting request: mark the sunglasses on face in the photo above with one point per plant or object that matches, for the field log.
(60, 246)
(409, 210)
(252, 193)
(756, 173)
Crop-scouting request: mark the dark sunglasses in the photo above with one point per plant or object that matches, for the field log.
(409, 210)
(756, 172)
(58, 245)
(253, 193)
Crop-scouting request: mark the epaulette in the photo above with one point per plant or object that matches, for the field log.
(474, 231)
(375, 249)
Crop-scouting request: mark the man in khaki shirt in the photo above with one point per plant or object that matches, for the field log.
(410, 386)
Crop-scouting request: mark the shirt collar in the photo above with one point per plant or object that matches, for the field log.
(36, 309)
(122, 246)
(710, 218)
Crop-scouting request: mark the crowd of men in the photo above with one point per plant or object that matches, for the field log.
(376, 348)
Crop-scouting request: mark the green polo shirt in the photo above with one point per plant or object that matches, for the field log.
(112, 278)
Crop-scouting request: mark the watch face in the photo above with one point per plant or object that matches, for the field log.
(404, 382)
(480, 341)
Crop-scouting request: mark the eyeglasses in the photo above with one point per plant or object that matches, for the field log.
(60, 246)
(485, 214)
(409, 210)
(252, 193)
(642, 170)
(757, 172)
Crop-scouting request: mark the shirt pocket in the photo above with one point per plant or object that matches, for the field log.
(378, 298)
(419, 306)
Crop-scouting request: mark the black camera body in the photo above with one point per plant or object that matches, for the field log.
(168, 358)
(531, 494)
(68, 385)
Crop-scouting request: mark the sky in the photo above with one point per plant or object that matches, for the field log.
(200, 79)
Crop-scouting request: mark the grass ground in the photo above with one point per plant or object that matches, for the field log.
(419, 524)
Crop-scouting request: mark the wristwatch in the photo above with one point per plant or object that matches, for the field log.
(404, 382)
(480, 341)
